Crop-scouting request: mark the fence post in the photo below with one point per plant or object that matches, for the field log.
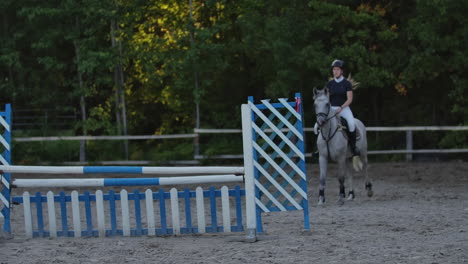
(409, 145)
(82, 150)
(5, 180)
(196, 145)
(249, 174)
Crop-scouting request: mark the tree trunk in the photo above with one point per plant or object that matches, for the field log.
(82, 97)
(83, 118)
(121, 109)
(122, 98)
(196, 93)
(116, 82)
(11, 78)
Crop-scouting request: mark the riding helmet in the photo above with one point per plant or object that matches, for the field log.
(337, 63)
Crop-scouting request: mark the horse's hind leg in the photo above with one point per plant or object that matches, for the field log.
(349, 175)
(370, 193)
(341, 179)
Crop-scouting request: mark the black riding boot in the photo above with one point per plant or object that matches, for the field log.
(352, 143)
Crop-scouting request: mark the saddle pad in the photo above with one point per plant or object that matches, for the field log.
(344, 126)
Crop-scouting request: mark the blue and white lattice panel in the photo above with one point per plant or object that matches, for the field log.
(279, 157)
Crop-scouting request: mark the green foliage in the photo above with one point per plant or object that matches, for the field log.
(44, 152)
(222, 145)
(454, 140)
(409, 57)
(437, 62)
(169, 151)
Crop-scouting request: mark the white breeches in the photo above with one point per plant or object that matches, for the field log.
(346, 114)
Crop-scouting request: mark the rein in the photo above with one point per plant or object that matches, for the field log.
(330, 135)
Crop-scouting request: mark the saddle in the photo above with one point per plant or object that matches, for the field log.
(344, 126)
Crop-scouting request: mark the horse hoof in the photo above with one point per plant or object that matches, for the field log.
(321, 200)
(340, 201)
(370, 193)
(350, 197)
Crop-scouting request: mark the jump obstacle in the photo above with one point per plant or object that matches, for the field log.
(274, 177)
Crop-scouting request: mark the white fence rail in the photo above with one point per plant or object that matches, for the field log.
(141, 137)
(197, 132)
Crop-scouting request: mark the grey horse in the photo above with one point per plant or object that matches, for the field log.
(333, 145)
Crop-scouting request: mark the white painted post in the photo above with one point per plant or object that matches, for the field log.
(175, 211)
(225, 209)
(409, 145)
(27, 214)
(200, 211)
(125, 212)
(251, 235)
(51, 214)
(76, 214)
(150, 212)
(100, 213)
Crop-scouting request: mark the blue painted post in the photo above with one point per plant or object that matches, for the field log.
(302, 163)
(237, 195)
(162, 210)
(89, 219)
(113, 216)
(139, 229)
(5, 179)
(188, 215)
(214, 221)
(63, 213)
(40, 218)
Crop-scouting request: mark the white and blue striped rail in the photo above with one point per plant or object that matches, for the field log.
(211, 177)
(106, 182)
(122, 169)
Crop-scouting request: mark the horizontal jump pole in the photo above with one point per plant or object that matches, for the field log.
(27, 183)
(31, 139)
(122, 169)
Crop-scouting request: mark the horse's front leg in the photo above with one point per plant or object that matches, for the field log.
(341, 178)
(323, 162)
(349, 175)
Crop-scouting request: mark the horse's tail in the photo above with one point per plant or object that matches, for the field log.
(357, 164)
(354, 84)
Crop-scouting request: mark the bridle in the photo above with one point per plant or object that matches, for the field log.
(330, 135)
(325, 115)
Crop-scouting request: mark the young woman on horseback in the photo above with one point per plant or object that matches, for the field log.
(341, 97)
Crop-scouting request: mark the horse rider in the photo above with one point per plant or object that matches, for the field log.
(341, 97)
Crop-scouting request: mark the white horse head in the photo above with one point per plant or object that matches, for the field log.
(322, 105)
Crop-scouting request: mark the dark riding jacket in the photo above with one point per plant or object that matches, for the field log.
(338, 91)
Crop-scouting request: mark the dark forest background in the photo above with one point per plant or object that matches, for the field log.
(164, 67)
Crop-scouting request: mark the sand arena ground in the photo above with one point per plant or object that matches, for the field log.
(418, 214)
